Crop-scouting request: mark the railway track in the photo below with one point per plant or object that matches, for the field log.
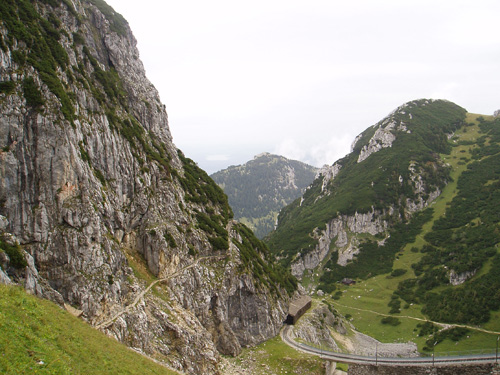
(386, 361)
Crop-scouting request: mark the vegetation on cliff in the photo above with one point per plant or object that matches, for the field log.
(257, 259)
(92, 180)
(381, 182)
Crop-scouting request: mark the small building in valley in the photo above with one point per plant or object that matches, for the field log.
(347, 281)
(297, 308)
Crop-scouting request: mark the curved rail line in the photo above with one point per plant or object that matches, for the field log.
(387, 361)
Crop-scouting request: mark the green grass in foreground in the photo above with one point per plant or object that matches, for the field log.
(38, 337)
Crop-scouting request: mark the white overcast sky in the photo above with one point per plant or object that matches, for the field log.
(303, 78)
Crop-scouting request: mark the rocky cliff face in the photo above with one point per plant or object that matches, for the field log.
(103, 204)
(316, 327)
(341, 234)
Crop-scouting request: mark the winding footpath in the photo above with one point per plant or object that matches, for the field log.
(110, 321)
(444, 325)
(387, 361)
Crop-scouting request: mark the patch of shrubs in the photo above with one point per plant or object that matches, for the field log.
(398, 272)
(395, 305)
(32, 94)
(453, 334)
(170, 239)
(14, 253)
(390, 320)
(7, 87)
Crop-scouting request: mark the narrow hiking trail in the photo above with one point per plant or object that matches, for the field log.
(444, 325)
(141, 295)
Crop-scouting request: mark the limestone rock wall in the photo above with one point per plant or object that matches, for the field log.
(340, 234)
(92, 184)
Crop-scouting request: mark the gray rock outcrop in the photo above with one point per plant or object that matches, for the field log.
(329, 173)
(384, 136)
(315, 328)
(460, 278)
(340, 234)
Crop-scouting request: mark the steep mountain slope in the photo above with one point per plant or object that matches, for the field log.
(96, 202)
(445, 276)
(412, 211)
(393, 171)
(456, 278)
(258, 189)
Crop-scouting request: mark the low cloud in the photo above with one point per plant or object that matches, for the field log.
(331, 150)
(323, 151)
(300, 78)
(290, 149)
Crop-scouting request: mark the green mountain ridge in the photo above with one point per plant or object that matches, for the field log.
(418, 211)
(382, 182)
(258, 189)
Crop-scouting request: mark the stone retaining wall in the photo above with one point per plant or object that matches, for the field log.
(477, 369)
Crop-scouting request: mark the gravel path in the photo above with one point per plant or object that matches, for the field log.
(127, 308)
(365, 345)
(444, 325)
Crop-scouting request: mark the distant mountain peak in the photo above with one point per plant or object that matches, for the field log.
(258, 189)
(261, 155)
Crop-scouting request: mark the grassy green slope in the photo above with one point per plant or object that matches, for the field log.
(375, 182)
(274, 357)
(367, 302)
(38, 337)
(465, 239)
